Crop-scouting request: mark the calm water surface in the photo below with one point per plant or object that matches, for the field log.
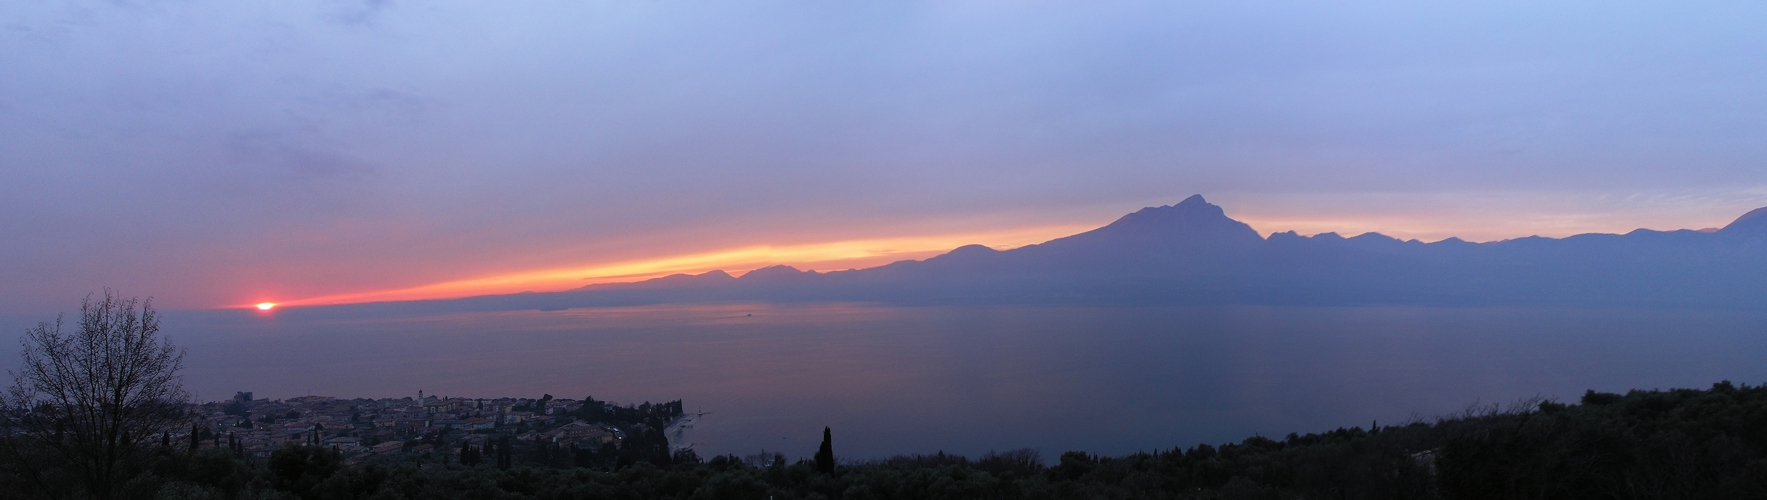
(892, 380)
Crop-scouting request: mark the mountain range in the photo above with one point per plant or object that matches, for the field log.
(1191, 253)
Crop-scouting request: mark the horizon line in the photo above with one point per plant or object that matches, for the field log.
(826, 256)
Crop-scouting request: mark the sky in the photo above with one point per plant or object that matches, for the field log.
(218, 154)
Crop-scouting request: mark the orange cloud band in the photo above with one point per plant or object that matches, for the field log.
(823, 256)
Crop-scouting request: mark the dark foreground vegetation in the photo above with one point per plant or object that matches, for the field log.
(1682, 443)
(93, 411)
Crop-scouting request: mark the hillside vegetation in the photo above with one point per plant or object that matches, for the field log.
(1681, 443)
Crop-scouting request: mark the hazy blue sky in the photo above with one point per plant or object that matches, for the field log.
(219, 152)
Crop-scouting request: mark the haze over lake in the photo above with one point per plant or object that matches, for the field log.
(962, 227)
(893, 380)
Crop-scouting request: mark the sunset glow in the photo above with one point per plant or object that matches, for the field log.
(1440, 219)
(595, 235)
(825, 256)
(389, 171)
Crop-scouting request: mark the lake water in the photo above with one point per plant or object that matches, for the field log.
(893, 380)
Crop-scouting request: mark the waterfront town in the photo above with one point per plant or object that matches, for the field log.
(436, 429)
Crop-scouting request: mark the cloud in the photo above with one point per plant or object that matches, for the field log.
(279, 152)
(397, 105)
(298, 153)
(354, 12)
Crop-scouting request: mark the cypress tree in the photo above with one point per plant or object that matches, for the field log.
(503, 459)
(825, 454)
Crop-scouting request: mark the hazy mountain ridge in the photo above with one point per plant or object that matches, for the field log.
(1192, 253)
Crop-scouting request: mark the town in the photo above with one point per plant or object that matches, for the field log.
(441, 430)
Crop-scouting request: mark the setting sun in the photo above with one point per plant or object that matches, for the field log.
(265, 306)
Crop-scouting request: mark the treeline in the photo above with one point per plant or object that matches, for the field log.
(1680, 443)
(642, 444)
(653, 415)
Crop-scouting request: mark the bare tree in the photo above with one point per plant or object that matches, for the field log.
(87, 405)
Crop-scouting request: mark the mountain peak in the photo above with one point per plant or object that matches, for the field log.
(1194, 208)
(1193, 221)
(1193, 211)
(774, 273)
(1753, 222)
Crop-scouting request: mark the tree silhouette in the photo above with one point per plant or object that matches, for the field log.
(503, 458)
(88, 402)
(825, 454)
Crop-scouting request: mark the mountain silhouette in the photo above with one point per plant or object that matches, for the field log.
(1193, 224)
(1753, 223)
(1192, 253)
